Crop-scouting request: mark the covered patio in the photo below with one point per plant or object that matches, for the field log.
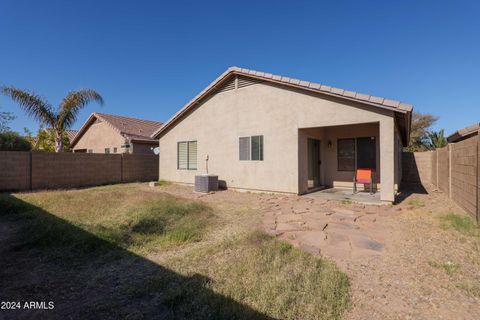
(330, 156)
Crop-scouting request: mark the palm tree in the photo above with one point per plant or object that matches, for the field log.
(41, 110)
(436, 139)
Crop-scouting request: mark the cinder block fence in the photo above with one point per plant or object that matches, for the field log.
(454, 170)
(20, 170)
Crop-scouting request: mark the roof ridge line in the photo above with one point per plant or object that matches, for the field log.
(388, 104)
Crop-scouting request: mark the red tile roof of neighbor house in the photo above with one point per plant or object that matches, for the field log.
(131, 128)
(380, 102)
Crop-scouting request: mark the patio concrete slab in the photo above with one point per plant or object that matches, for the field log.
(345, 195)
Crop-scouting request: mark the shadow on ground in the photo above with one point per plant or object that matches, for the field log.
(44, 258)
(408, 189)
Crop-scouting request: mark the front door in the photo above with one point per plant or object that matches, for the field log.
(314, 163)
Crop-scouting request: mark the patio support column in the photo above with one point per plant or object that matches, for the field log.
(387, 159)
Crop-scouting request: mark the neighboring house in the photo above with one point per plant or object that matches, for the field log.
(464, 133)
(272, 133)
(106, 133)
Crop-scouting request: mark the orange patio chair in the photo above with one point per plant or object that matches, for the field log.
(364, 176)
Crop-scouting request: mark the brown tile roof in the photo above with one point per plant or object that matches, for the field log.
(463, 133)
(310, 86)
(71, 134)
(130, 128)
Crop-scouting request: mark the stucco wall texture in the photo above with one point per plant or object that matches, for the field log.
(101, 135)
(280, 115)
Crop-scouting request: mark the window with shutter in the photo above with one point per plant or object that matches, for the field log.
(251, 148)
(244, 148)
(257, 148)
(182, 155)
(192, 155)
(187, 155)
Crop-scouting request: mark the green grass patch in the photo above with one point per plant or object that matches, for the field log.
(158, 223)
(462, 223)
(449, 267)
(417, 203)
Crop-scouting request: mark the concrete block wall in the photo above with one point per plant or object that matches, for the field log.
(69, 170)
(464, 167)
(443, 172)
(43, 170)
(453, 170)
(143, 167)
(14, 170)
(417, 167)
(433, 168)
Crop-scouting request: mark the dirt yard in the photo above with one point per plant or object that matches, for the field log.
(405, 261)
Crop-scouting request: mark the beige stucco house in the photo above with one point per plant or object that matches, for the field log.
(107, 133)
(267, 132)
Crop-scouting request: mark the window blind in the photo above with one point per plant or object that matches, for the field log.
(192, 155)
(251, 148)
(182, 155)
(257, 148)
(244, 148)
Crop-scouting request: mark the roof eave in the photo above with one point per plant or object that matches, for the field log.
(402, 108)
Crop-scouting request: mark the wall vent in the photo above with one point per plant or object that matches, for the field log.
(240, 81)
(228, 85)
(246, 81)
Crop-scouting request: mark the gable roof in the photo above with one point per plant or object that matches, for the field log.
(131, 128)
(464, 133)
(401, 108)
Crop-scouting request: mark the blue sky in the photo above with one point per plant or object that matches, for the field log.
(148, 58)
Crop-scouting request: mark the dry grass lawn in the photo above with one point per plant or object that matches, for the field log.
(129, 251)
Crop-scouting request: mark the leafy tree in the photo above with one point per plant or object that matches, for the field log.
(437, 140)
(419, 138)
(45, 139)
(60, 119)
(5, 119)
(12, 141)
